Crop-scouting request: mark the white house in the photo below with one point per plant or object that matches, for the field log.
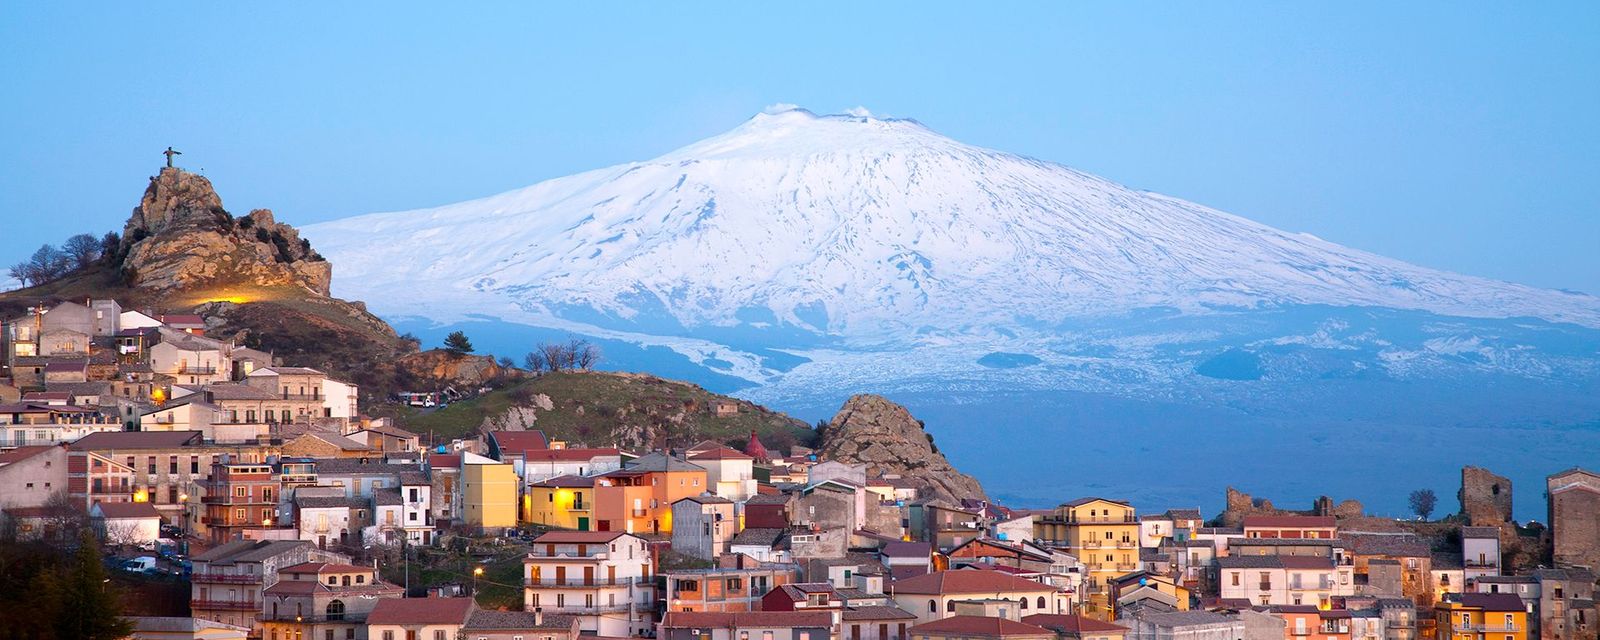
(730, 474)
(126, 523)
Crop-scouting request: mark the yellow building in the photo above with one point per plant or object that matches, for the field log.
(563, 502)
(488, 492)
(1101, 533)
(1481, 616)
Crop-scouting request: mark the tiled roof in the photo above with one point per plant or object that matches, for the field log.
(768, 498)
(1404, 546)
(339, 466)
(1275, 562)
(324, 567)
(444, 461)
(1480, 532)
(566, 482)
(293, 371)
(517, 620)
(1492, 601)
(966, 581)
(23, 453)
(443, 611)
(1301, 522)
(387, 497)
(877, 612)
(578, 537)
(1087, 500)
(758, 536)
(922, 550)
(755, 619)
(248, 550)
(1185, 618)
(980, 626)
(516, 442)
(1184, 514)
(235, 391)
(719, 453)
(567, 455)
(706, 498)
(105, 440)
(658, 461)
(336, 502)
(1071, 624)
(120, 510)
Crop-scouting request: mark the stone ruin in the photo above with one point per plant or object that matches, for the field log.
(1241, 504)
(1485, 497)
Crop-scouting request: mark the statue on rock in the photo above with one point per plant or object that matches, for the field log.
(169, 153)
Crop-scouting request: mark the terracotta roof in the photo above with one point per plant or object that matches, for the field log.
(757, 536)
(719, 453)
(334, 502)
(104, 440)
(23, 453)
(1087, 500)
(775, 619)
(452, 611)
(1070, 624)
(444, 461)
(181, 319)
(517, 620)
(119, 510)
(1302, 522)
(979, 626)
(578, 537)
(248, 550)
(1480, 532)
(706, 498)
(967, 581)
(236, 391)
(517, 442)
(1404, 546)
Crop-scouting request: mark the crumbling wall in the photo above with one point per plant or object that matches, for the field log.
(1485, 497)
(1241, 504)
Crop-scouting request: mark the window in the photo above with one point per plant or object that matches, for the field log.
(1041, 602)
(1024, 603)
(950, 606)
(333, 581)
(933, 607)
(438, 634)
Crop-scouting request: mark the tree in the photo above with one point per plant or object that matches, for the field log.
(506, 363)
(457, 343)
(22, 273)
(90, 608)
(582, 354)
(555, 356)
(110, 246)
(1422, 502)
(47, 264)
(534, 361)
(83, 249)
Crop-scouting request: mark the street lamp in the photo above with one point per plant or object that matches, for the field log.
(477, 572)
(183, 528)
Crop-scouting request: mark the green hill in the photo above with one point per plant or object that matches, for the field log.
(633, 411)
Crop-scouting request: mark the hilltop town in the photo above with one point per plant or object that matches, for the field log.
(257, 459)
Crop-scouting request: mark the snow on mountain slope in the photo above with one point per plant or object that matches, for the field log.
(869, 231)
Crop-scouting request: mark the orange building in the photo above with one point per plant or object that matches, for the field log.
(239, 496)
(638, 498)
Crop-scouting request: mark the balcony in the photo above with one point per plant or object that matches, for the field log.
(316, 397)
(197, 370)
(639, 513)
(1265, 586)
(1481, 564)
(1127, 544)
(608, 608)
(552, 583)
(228, 605)
(1097, 520)
(1397, 624)
(1091, 544)
(1299, 631)
(1127, 567)
(1311, 586)
(1489, 628)
(541, 554)
(1334, 629)
(224, 578)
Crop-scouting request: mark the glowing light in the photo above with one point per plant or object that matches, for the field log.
(158, 395)
(141, 496)
(477, 572)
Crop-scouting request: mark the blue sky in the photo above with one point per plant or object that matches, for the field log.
(1456, 136)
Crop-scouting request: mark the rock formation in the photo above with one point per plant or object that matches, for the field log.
(180, 238)
(872, 431)
(1485, 497)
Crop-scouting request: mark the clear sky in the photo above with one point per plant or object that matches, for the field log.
(1454, 135)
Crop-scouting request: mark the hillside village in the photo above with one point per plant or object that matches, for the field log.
(254, 458)
(282, 510)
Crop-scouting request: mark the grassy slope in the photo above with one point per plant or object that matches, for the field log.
(588, 405)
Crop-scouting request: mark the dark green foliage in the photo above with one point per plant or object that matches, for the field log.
(48, 592)
(247, 222)
(457, 343)
(1422, 502)
(263, 236)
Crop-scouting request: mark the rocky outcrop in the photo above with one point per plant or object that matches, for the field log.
(444, 367)
(872, 431)
(181, 238)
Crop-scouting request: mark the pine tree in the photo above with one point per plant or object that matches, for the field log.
(457, 343)
(89, 607)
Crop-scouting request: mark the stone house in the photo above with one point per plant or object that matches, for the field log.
(323, 600)
(703, 526)
(31, 475)
(763, 625)
(1574, 506)
(228, 583)
(934, 596)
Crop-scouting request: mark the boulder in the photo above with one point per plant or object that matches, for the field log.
(872, 431)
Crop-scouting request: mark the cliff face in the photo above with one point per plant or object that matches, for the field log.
(180, 238)
(882, 435)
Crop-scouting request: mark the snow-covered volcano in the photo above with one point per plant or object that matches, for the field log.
(1010, 302)
(872, 229)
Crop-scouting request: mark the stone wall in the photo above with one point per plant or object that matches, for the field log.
(1485, 497)
(1241, 504)
(1575, 518)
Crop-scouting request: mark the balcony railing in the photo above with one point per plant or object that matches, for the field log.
(604, 608)
(1299, 631)
(1127, 544)
(199, 370)
(639, 513)
(540, 554)
(1127, 567)
(1398, 624)
(321, 617)
(1094, 520)
(1265, 586)
(1091, 544)
(1481, 564)
(300, 396)
(1489, 628)
(580, 582)
(226, 578)
(230, 605)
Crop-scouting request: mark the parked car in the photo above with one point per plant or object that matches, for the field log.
(141, 564)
